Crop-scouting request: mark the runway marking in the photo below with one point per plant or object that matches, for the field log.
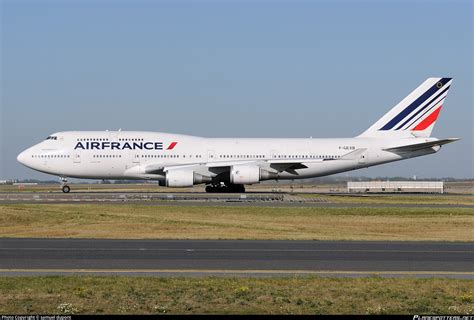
(240, 271)
(238, 250)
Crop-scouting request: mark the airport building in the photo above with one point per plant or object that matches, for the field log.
(395, 186)
(7, 181)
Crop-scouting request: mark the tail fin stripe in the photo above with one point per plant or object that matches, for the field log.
(392, 123)
(427, 111)
(431, 108)
(428, 120)
(415, 115)
(423, 108)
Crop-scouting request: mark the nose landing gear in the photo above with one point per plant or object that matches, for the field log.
(64, 187)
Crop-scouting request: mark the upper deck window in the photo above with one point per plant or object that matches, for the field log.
(52, 138)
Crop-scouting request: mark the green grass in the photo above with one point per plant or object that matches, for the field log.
(302, 295)
(207, 222)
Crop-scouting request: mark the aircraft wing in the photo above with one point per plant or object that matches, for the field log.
(276, 165)
(154, 169)
(273, 166)
(419, 146)
(160, 168)
(269, 165)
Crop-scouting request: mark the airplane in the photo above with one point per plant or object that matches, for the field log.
(228, 164)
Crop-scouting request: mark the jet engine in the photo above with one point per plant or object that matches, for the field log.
(249, 174)
(184, 178)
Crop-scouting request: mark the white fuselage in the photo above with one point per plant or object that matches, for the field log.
(150, 155)
(183, 161)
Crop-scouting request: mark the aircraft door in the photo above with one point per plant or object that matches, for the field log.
(76, 156)
(211, 155)
(135, 158)
(363, 157)
(273, 154)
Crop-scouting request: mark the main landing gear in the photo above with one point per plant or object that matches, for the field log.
(225, 188)
(64, 187)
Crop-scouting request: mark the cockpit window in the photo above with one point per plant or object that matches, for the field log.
(52, 138)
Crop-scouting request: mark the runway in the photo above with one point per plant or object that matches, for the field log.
(200, 199)
(233, 257)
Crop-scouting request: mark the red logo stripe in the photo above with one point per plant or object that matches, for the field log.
(428, 120)
(172, 145)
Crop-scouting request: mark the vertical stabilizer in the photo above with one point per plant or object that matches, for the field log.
(415, 115)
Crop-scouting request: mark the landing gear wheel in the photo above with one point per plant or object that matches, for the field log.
(232, 188)
(236, 188)
(66, 189)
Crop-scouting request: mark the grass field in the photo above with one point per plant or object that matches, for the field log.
(298, 295)
(314, 295)
(207, 222)
(395, 199)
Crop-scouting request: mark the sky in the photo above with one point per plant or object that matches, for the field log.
(232, 69)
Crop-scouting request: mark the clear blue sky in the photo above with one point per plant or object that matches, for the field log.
(241, 68)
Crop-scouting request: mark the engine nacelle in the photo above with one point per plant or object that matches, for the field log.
(245, 174)
(179, 178)
(184, 178)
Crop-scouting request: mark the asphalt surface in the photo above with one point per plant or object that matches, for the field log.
(198, 199)
(241, 258)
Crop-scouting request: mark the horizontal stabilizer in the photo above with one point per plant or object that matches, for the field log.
(420, 146)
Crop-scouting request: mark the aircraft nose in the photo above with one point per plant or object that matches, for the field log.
(21, 158)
